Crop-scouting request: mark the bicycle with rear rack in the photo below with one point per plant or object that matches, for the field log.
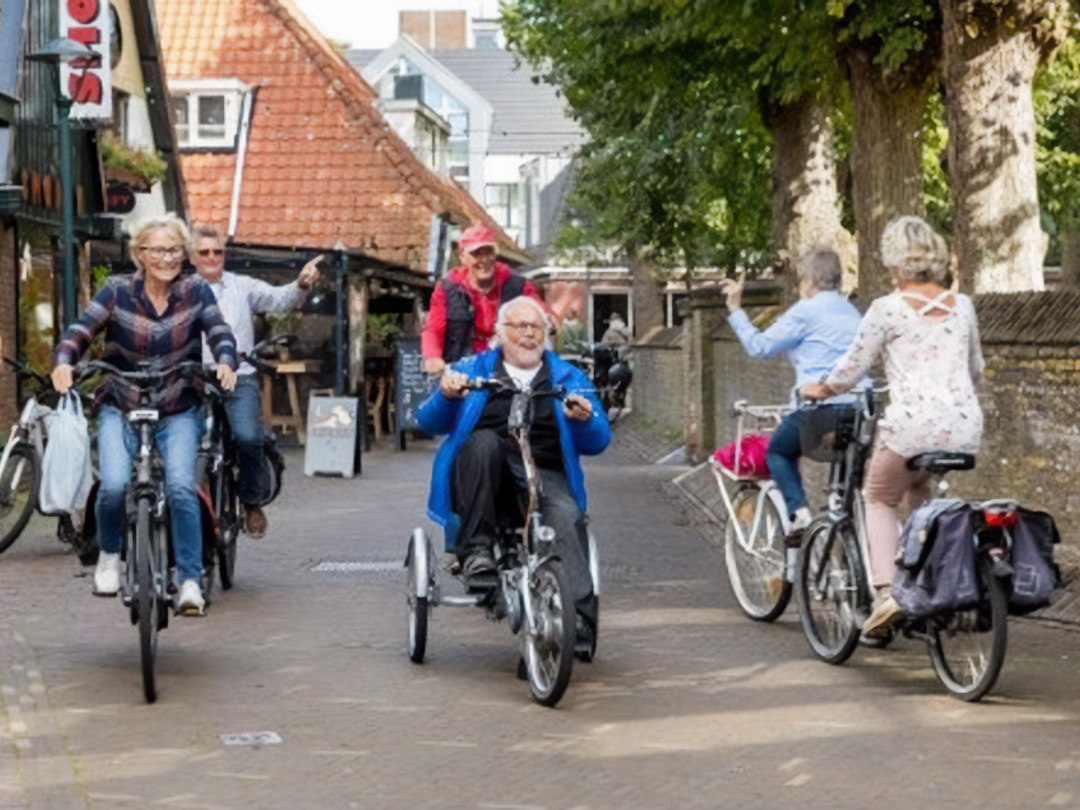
(760, 565)
(834, 589)
(530, 588)
(20, 472)
(147, 588)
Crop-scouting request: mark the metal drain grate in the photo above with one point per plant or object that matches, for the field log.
(356, 566)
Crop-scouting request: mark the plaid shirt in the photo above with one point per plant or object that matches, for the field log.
(135, 332)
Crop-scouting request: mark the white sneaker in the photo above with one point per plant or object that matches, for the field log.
(190, 602)
(107, 575)
(801, 519)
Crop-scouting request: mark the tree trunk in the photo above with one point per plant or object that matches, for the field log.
(886, 160)
(1070, 259)
(990, 61)
(647, 295)
(806, 202)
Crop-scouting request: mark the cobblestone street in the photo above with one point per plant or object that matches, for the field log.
(688, 705)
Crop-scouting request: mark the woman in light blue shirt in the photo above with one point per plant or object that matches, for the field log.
(813, 334)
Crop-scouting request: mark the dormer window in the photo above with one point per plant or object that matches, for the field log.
(207, 112)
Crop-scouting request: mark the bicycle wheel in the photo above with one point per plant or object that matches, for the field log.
(967, 648)
(228, 528)
(146, 597)
(549, 649)
(827, 590)
(416, 595)
(755, 561)
(19, 482)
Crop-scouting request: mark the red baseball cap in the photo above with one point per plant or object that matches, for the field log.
(477, 236)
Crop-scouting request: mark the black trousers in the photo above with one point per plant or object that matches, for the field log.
(488, 483)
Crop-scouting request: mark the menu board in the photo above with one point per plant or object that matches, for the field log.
(411, 385)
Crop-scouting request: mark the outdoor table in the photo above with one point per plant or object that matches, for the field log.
(290, 370)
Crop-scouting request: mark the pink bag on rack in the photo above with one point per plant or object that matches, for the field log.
(752, 463)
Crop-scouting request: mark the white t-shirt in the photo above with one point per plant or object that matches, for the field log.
(522, 377)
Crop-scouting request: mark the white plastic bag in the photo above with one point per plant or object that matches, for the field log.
(66, 475)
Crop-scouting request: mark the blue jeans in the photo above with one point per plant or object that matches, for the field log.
(243, 407)
(783, 458)
(177, 439)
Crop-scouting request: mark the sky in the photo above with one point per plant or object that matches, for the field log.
(373, 24)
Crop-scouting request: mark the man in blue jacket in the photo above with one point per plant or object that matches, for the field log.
(478, 473)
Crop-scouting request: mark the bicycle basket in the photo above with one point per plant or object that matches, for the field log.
(826, 431)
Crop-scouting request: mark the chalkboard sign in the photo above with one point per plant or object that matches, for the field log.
(411, 385)
(332, 447)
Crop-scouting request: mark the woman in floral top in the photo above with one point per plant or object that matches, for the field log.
(928, 337)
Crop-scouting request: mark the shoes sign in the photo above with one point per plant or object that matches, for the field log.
(87, 82)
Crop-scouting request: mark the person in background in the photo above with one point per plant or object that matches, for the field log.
(571, 334)
(812, 335)
(617, 335)
(465, 304)
(239, 298)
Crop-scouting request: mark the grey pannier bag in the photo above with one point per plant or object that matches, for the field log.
(1034, 573)
(935, 567)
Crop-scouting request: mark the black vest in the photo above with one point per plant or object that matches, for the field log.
(461, 318)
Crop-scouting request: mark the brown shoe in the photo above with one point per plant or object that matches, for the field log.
(255, 522)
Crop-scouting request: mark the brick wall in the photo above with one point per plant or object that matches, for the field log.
(9, 407)
(1030, 401)
(657, 391)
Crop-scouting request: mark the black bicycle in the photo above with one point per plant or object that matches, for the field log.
(833, 587)
(218, 471)
(147, 587)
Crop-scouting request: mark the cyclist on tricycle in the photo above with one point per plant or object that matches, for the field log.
(481, 475)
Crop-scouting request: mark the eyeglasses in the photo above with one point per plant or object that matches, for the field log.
(527, 327)
(211, 252)
(162, 252)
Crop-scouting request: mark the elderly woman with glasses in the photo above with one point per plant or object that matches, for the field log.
(928, 337)
(157, 314)
(479, 474)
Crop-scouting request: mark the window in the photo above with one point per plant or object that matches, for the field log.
(211, 117)
(502, 202)
(180, 110)
(120, 114)
(207, 112)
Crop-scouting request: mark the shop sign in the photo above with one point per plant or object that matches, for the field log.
(87, 82)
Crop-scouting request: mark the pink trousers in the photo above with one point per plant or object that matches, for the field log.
(887, 481)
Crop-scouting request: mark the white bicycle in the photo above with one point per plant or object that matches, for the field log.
(761, 567)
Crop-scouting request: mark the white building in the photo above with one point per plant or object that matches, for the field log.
(510, 140)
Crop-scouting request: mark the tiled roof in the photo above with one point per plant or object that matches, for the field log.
(322, 164)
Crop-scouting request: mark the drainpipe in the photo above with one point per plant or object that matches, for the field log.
(340, 324)
(241, 153)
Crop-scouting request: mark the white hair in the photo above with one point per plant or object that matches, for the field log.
(822, 267)
(512, 305)
(912, 250)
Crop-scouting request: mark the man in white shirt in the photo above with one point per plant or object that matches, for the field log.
(239, 298)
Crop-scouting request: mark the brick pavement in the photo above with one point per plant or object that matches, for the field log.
(689, 705)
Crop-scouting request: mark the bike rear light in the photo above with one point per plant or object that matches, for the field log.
(1001, 519)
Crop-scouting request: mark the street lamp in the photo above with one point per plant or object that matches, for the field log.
(57, 52)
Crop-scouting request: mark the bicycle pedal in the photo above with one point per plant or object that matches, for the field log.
(104, 594)
(192, 612)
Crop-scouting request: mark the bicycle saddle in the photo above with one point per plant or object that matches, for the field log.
(941, 462)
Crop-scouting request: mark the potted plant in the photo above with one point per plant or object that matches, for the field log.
(124, 164)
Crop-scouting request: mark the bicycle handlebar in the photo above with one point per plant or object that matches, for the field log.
(26, 371)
